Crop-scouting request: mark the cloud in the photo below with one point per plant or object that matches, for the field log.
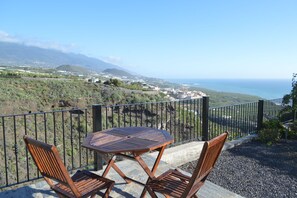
(113, 60)
(5, 37)
(51, 45)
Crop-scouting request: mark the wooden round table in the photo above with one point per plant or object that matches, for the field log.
(133, 140)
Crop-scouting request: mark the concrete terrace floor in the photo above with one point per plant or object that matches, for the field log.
(172, 157)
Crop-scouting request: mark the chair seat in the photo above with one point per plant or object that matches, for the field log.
(172, 183)
(50, 165)
(86, 182)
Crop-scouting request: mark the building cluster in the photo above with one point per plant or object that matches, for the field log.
(170, 93)
(182, 93)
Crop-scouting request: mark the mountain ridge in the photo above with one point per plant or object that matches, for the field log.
(16, 54)
(118, 72)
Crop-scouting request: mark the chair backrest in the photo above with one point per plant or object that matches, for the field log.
(208, 157)
(49, 163)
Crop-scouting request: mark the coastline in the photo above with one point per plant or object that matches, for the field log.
(263, 88)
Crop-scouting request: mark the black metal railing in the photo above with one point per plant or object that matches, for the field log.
(182, 119)
(239, 120)
(271, 108)
(65, 129)
(185, 120)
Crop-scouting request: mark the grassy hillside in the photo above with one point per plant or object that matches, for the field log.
(37, 94)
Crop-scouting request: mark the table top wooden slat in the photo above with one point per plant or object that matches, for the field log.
(131, 143)
(127, 139)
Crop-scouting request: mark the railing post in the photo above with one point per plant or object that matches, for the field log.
(260, 115)
(97, 126)
(205, 109)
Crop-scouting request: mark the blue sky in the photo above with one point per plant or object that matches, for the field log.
(167, 38)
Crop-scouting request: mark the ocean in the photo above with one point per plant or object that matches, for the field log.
(264, 88)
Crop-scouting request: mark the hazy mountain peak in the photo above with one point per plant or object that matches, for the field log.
(16, 54)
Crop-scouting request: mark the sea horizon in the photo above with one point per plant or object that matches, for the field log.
(264, 88)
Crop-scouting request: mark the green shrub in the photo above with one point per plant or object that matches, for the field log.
(270, 124)
(269, 135)
(271, 131)
(114, 82)
(292, 132)
(285, 114)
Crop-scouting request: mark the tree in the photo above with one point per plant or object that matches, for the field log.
(292, 97)
(114, 82)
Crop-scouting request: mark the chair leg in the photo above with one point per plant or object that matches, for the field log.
(143, 193)
(106, 194)
(151, 192)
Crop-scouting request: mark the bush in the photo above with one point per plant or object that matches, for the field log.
(286, 114)
(114, 82)
(292, 133)
(271, 132)
(269, 136)
(273, 123)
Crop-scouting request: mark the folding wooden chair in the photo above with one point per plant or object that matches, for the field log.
(173, 183)
(81, 184)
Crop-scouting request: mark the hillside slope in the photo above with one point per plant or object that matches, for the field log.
(20, 95)
(118, 72)
(73, 69)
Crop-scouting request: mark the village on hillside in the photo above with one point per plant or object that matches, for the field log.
(182, 92)
(170, 93)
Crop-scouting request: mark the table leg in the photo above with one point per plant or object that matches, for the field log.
(154, 169)
(144, 166)
(111, 163)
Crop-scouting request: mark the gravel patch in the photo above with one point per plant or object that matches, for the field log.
(254, 169)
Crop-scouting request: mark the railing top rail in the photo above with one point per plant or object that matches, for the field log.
(214, 107)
